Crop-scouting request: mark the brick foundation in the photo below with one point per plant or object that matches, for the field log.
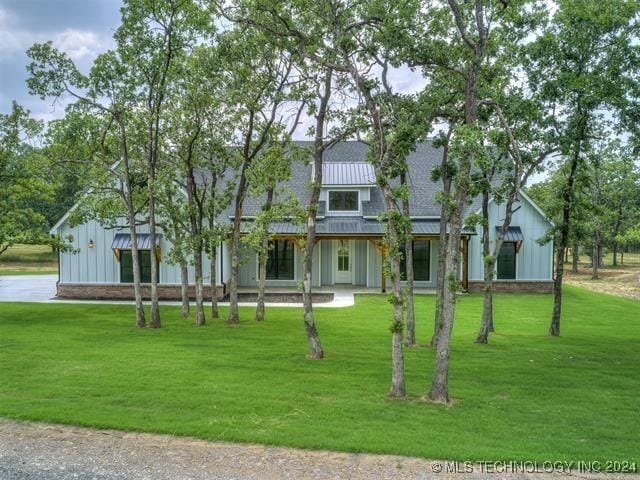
(284, 297)
(514, 286)
(117, 291)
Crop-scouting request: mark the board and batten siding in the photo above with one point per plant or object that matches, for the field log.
(99, 264)
(533, 261)
(374, 275)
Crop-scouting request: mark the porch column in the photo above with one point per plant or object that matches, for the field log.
(383, 259)
(383, 254)
(465, 263)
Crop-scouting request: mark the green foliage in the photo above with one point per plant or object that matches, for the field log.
(24, 181)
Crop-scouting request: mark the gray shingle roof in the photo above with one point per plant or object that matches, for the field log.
(422, 190)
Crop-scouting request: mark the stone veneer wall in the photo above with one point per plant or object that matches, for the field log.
(514, 286)
(121, 291)
(117, 291)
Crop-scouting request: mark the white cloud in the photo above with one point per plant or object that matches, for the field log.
(79, 44)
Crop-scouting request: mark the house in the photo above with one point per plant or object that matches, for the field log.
(349, 248)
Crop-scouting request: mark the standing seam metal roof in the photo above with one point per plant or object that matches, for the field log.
(513, 234)
(348, 173)
(122, 241)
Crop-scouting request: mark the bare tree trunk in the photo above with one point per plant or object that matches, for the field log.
(398, 388)
(155, 305)
(184, 287)
(488, 264)
(262, 260)
(196, 217)
(393, 240)
(600, 255)
(442, 241)
(316, 351)
(563, 238)
(200, 318)
(439, 391)
(595, 258)
(566, 255)
(234, 315)
(576, 257)
(131, 217)
(213, 249)
(137, 280)
(408, 252)
(616, 230)
(262, 278)
(214, 282)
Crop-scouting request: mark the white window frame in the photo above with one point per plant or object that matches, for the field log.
(343, 212)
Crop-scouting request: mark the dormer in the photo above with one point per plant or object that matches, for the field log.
(345, 185)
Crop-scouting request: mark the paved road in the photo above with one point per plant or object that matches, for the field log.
(34, 451)
(27, 288)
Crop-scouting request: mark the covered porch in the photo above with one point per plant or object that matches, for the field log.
(350, 254)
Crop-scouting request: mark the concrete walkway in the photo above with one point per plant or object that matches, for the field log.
(42, 288)
(27, 288)
(34, 451)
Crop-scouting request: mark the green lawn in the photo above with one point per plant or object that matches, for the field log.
(28, 260)
(524, 396)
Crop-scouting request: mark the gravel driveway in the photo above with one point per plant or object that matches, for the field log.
(35, 451)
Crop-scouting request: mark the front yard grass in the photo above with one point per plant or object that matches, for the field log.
(525, 396)
(28, 260)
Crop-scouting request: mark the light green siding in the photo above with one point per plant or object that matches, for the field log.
(534, 261)
(99, 264)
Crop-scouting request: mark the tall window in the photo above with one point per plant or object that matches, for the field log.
(126, 266)
(507, 261)
(343, 257)
(280, 264)
(344, 201)
(421, 261)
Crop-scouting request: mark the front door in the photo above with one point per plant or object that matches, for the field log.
(343, 261)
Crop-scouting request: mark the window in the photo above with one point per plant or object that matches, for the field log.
(344, 201)
(421, 261)
(343, 257)
(507, 261)
(280, 264)
(126, 266)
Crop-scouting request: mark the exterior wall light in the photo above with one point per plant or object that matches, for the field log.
(91, 244)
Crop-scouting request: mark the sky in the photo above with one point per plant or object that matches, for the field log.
(81, 28)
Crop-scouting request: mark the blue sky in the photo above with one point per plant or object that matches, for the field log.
(81, 28)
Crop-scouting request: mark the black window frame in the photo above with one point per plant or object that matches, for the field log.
(126, 259)
(501, 262)
(275, 260)
(417, 267)
(341, 209)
